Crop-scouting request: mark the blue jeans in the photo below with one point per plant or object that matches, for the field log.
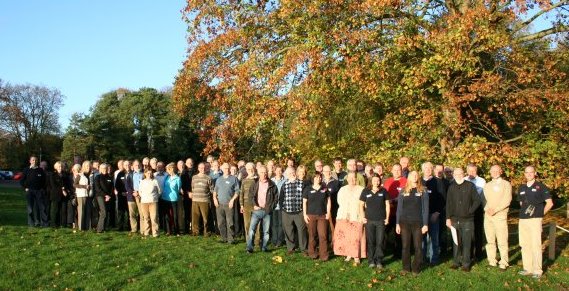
(256, 217)
(431, 246)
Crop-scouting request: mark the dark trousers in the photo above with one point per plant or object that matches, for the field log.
(187, 205)
(225, 223)
(479, 236)
(295, 231)
(239, 227)
(375, 235)
(461, 252)
(411, 232)
(277, 232)
(169, 212)
(393, 240)
(91, 213)
(122, 212)
(111, 217)
(212, 219)
(318, 231)
(58, 211)
(102, 213)
(37, 199)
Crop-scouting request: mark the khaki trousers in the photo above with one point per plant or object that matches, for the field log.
(530, 241)
(200, 209)
(150, 214)
(133, 215)
(496, 229)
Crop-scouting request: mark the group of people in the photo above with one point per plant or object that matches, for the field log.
(357, 213)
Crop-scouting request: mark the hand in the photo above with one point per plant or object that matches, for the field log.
(241, 210)
(135, 193)
(306, 219)
(64, 193)
(386, 221)
(256, 207)
(397, 229)
(327, 216)
(448, 223)
(215, 202)
(27, 189)
(116, 192)
(364, 220)
(424, 229)
(231, 204)
(490, 212)
(107, 198)
(191, 195)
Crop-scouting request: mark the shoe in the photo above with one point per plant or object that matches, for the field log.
(524, 273)
(492, 265)
(249, 251)
(454, 267)
(503, 267)
(466, 269)
(222, 241)
(290, 252)
(371, 265)
(231, 242)
(403, 272)
(356, 261)
(347, 259)
(379, 266)
(536, 276)
(305, 254)
(265, 250)
(415, 274)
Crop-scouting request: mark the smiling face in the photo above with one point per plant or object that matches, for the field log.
(529, 173)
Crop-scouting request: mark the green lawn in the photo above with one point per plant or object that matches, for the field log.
(34, 258)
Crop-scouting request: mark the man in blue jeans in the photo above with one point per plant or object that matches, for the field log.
(264, 196)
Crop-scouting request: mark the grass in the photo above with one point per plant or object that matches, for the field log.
(34, 258)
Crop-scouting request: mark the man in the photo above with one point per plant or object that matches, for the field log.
(131, 200)
(378, 169)
(498, 195)
(200, 196)
(318, 166)
(290, 200)
(224, 195)
(443, 184)
(404, 162)
(352, 168)
(263, 195)
(393, 185)
(360, 167)
(338, 173)
(431, 244)
(462, 202)
(92, 204)
(277, 232)
(154, 164)
(137, 177)
(245, 202)
(449, 175)
(535, 202)
(479, 182)
(160, 175)
(270, 168)
(103, 193)
(34, 183)
(333, 187)
(186, 174)
(120, 192)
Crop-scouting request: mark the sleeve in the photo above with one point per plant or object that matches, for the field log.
(24, 179)
(545, 194)
(363, 197)
(399, 208)
(128, 183)
(216, 187)
(235, 186)
(449, 202)
(281, 195)
(305, 193)
(425, 208)
(77, 183)
(193, 183)
(475, 198)
(506, 199)
(242, 195)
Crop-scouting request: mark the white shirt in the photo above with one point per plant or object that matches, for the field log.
(149, 191)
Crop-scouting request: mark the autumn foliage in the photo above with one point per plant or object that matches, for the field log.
(445, 81)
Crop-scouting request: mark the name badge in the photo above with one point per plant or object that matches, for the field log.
(380, 195)
(39, 175)
(533, 190)
(399, 188)
(313, 191)
(523, 192)
(227, 182)
(429, 191)
(417, 194)
(122, 178)
(109, 181)
(368, 195)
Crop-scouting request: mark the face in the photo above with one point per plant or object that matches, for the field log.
(317, 179)
(495, 172)
(189, 163)
(360, 166)
(404, 162)
(148, 174)
(103, 169)
(95, 166)
(290, 163)
(529, 173)
(291, 174)
(375, 182)
(338, 165)
(427, 170)
(278, 171)
(180, 166)
(126, 165)
(262, 174)
(318, 166)
(215, 165)
(368, 170)
(57, 167)
(413, 178)
(119, 165)
(300, 173)
(351, 165)
(270, 165)
(201, 168)
(225, 169)
(145, 161)
(233, 170)
(207, 167)
(396, 171)
(439, 171)
(471, 171)
(136, 165)
(250, 170)
(378, 170)
(327, 172)
(33, 161)
(449, 173)
(170, 171)
(43, 165)
(458, 175)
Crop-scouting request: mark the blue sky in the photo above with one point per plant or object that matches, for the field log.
(87, 48)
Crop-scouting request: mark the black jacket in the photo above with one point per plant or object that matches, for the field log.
(34, 178)
(103, 185)
(462, 201)
(272, 191)
(56, 183)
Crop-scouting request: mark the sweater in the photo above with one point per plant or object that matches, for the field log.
(149, 191)
(462, 201)
(498, 195)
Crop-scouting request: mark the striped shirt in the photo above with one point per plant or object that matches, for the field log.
(201, 188)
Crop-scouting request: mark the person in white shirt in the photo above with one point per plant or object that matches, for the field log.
(149, 192)
(479, 182)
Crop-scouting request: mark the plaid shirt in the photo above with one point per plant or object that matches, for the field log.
(292, 196)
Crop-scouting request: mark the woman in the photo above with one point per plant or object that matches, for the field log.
(149, 192)
(316, 210)
(170, 195)
(349, 237)
(58, 195)
(412, 220)
(375, 201)
(103, 184)
(82, 187)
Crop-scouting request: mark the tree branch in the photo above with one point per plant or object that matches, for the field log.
(540, 13)
(543, 33)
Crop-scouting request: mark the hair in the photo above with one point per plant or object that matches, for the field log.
(149, 170)
(86, 167)
(301, 168)
(426, 164)
(171, 166)
(369, 184)
(76, 168)
(419, 186)
(337, 159)
(317, 174)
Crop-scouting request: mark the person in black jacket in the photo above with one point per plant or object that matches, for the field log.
(119, 184)
(103, 192)
(431, 247)
(58, 191)
(264, 198)
(462, 202)
(34, 183)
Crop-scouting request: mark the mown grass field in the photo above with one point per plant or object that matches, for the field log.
(57, 259)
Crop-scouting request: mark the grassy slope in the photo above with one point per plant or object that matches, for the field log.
(58, 258)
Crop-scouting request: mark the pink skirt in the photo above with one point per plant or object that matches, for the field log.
(349, 239)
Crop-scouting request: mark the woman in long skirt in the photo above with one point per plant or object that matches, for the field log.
(349, 236)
